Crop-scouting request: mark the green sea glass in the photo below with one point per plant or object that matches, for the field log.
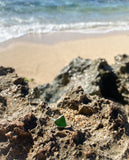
(60, 122)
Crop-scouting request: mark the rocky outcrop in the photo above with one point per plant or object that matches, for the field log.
(15, 141)
(121, 69)
(9, 80)
(93, 100)
(97, 128)
(96, 77)
(52, 92)
(102, 123)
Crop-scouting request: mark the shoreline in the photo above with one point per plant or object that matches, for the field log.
(60, 36)
(42, 58)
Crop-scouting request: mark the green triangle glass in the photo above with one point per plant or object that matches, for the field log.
(60, 121)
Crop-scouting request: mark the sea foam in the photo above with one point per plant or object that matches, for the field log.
(21, 17)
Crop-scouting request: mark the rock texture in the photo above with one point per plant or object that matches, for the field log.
(92, 96)
(96, 77)
(121, 69)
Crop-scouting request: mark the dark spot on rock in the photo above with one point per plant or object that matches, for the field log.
(86, 110)
(5, 71)
(108, 87)
(114, 111)
(42, 121)
(29, 122)
(99, 126)
(3, 138)
(3, 100)
(19, 80)
(40, 155)
(64, 78)
(89, 153)
(78, 137)
(73, 104)
(24, 90)
(118, 117)
(61, 134)
(84, 99)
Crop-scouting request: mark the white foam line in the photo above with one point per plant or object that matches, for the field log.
(16, 31)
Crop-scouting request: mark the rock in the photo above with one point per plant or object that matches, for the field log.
(21, 87)
(10, 80)
(20, 90)
(96, 77)
(29, 121)
(61, 134)
(121, 65)
(86, 110)
(121, 69)
(20, 80)
(5, 71)
(101, 122)
(3, 104)
(39, 90)
(19, 140)
(117, 117)
(76, 99)
(77, 66)
(6, 75)
(93, 100)
(40, 155)
(34, 95)
(78, 137)
(6, 81)
(62, 82)
(3, 100)
(73, 99)
(89, 153)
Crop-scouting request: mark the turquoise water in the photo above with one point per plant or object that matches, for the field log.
(20, 17)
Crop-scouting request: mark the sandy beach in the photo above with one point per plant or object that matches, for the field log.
(42, 58)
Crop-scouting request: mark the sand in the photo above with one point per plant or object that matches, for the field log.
(42, 59)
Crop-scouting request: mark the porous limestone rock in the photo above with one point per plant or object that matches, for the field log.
(88, 94)
(96, 77)
(121, 69)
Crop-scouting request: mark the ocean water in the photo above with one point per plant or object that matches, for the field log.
(21, 17)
